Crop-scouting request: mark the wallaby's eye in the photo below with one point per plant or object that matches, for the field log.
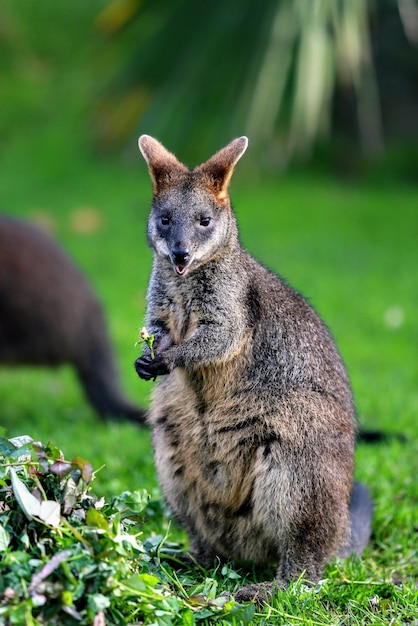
(165, 220)
(204, 221)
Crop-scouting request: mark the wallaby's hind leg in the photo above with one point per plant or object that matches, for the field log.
(296, 558)
(361, 512)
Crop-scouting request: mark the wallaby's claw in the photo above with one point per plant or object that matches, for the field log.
(148, 367)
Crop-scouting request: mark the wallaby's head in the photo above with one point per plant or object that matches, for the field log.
(191, 220)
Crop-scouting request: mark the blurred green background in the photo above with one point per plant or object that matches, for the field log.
(326, 194)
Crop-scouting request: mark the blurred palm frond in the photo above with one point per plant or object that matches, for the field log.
(199, 73)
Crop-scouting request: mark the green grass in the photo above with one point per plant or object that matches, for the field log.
(351, 248)
(353, 253)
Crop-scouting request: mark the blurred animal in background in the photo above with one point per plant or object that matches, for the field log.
(50, 315)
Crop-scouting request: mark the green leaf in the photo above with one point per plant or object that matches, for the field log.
(22, 440)
(85, 467)
(50, 513)
(187, 618)
(131, 501)
(7, 449)
(48, 510)
(230, 573)
(4, 538)
(141, 582)
(97, 519)
(242, 613)
(71, 494)
(53, 452)
(61, 468)
(67, 598)
(98, 602)
(27, 502)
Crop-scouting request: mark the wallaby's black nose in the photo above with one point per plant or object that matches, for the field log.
(180, 256)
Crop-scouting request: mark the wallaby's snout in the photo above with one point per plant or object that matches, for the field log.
(179, 241)
(180, 256)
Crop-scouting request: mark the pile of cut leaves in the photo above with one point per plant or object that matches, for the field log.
(69, 558)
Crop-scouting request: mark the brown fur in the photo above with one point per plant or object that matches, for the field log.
(49, 315)
(253, 419)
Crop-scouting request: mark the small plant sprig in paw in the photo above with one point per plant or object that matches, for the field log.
(149, 366)
(146, 338)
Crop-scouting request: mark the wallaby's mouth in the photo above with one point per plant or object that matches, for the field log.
(180, 269)
(181, 265)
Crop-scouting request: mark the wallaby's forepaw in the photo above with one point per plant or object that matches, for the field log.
(148, 367)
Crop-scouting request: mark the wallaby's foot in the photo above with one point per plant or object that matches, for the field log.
(147, 367)
(259, 593)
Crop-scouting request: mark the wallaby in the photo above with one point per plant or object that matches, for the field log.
(252, 419)
(49, 315)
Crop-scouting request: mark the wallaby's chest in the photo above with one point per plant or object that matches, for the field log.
(181, 313)
(182, 318)
(199, 465)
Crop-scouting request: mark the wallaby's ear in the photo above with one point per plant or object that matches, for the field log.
(220, 167)
(162, 164)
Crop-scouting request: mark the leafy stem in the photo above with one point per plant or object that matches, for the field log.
(146, 338)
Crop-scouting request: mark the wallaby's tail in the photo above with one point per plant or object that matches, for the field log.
(99, 377)
(102, 390)
(361, 513)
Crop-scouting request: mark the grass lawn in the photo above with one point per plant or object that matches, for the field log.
(351, 248)
(352, 251)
